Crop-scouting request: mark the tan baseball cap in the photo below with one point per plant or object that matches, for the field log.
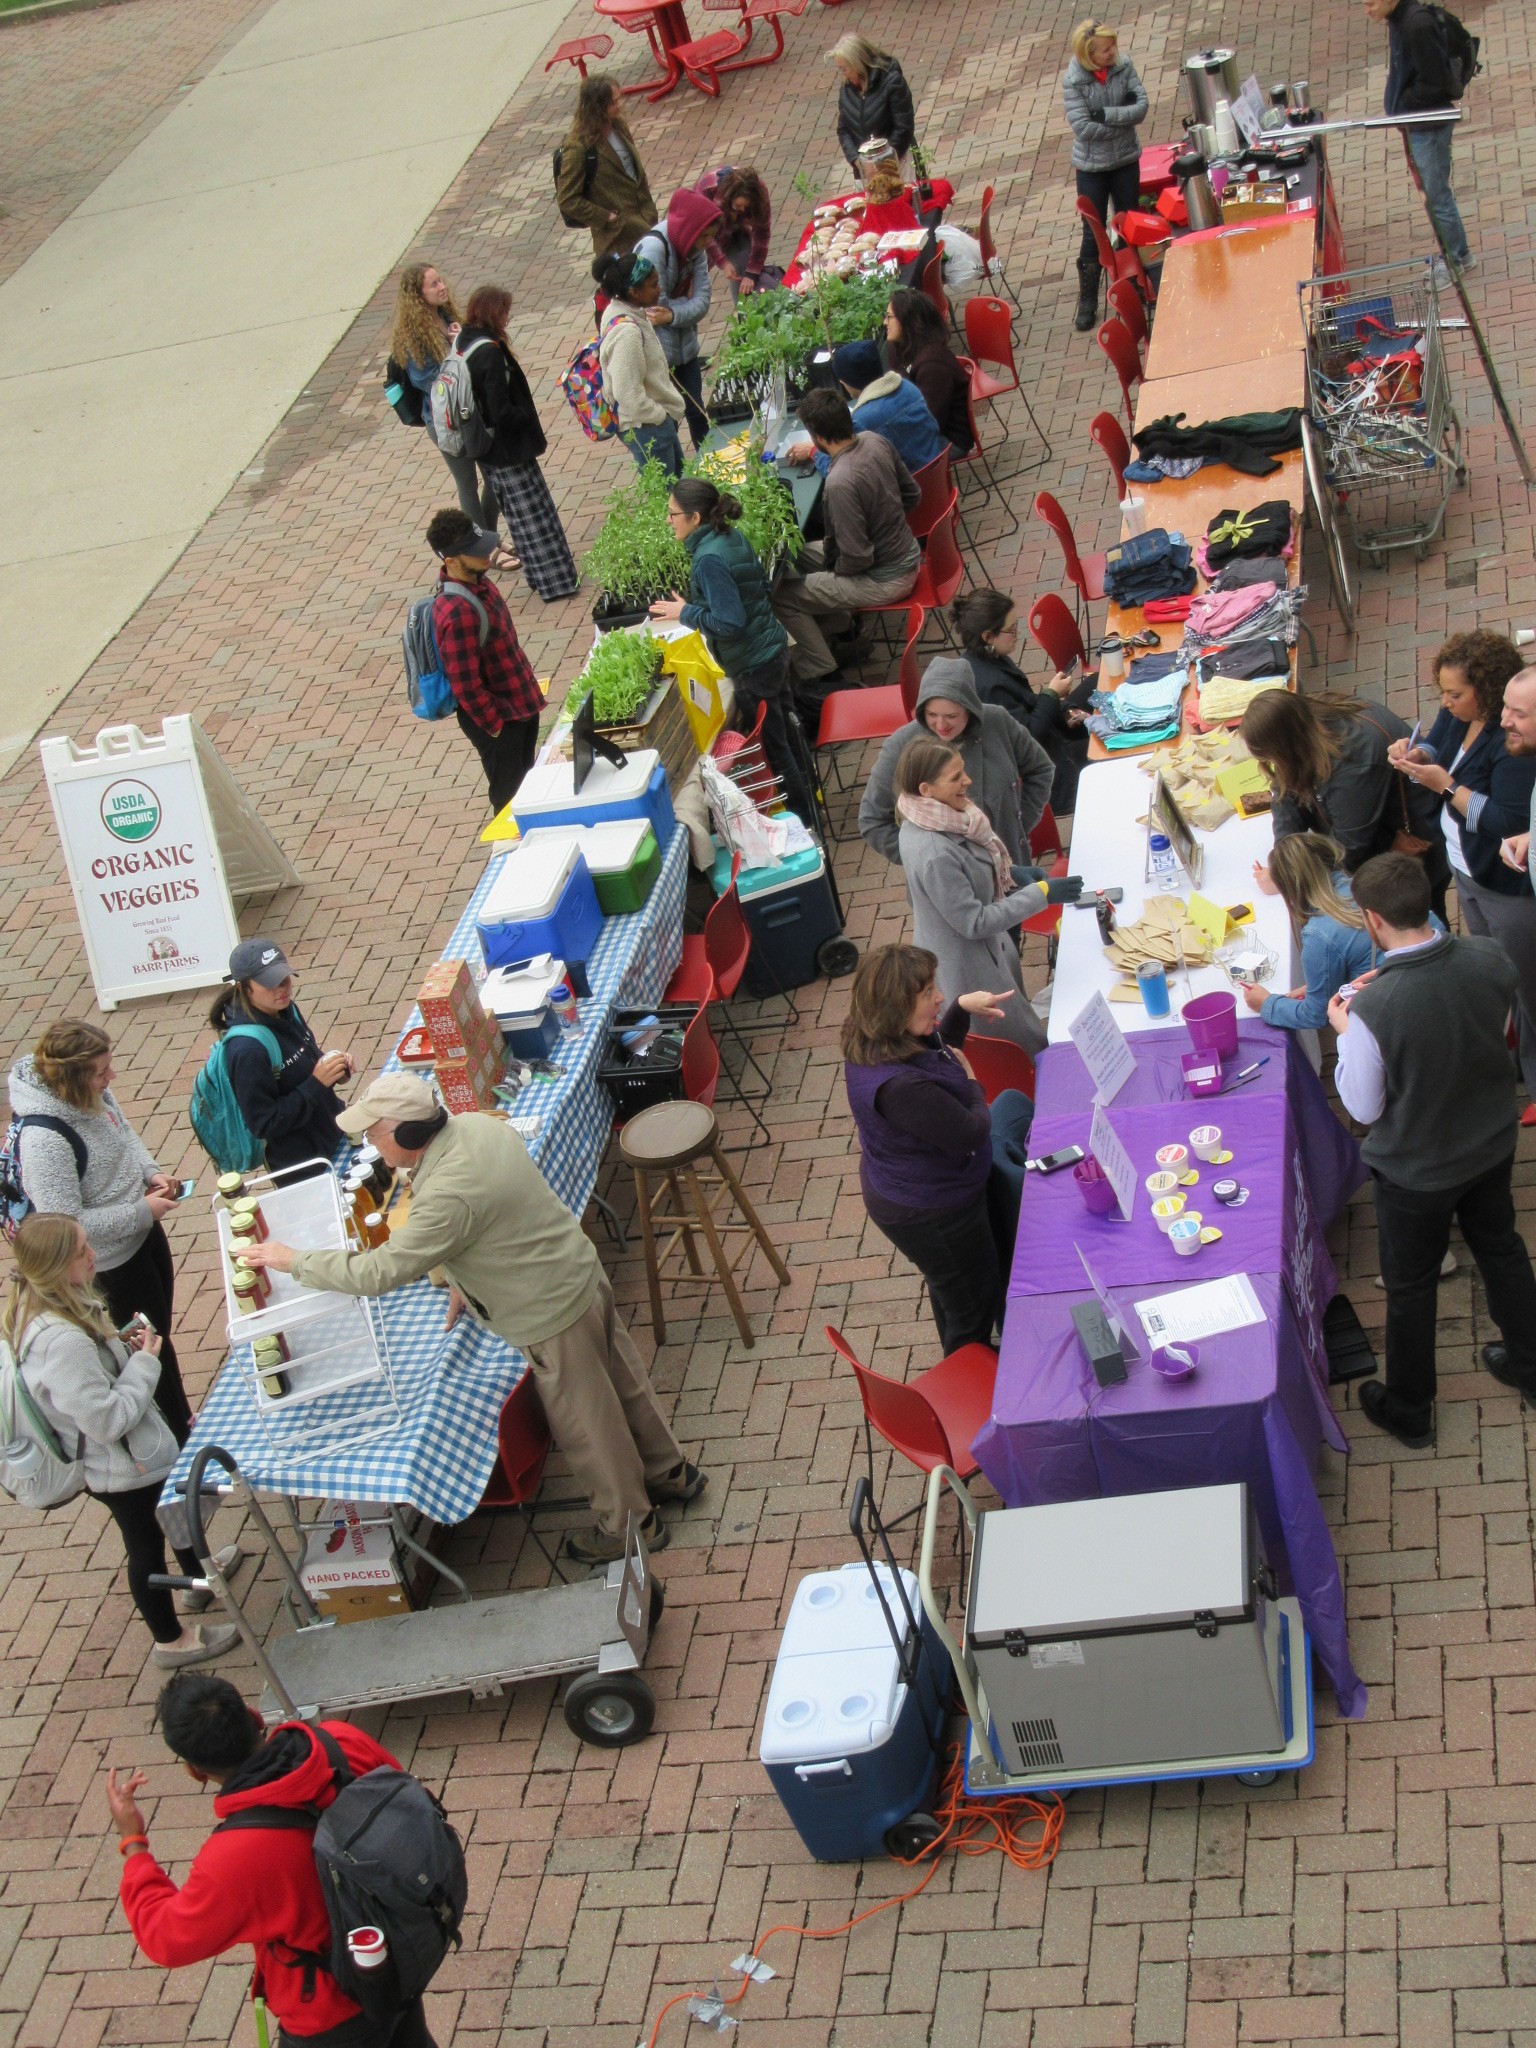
(390, 1098)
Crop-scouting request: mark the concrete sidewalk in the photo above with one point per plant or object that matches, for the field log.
(149, 347)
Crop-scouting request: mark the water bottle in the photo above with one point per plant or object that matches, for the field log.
(1165, 863)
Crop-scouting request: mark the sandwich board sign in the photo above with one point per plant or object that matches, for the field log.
(159, 840)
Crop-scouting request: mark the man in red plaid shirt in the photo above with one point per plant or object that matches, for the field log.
(490, 676)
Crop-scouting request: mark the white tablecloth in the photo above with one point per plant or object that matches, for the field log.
(1109, 851)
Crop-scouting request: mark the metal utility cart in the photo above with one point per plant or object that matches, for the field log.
(1379, 404)
(1042, 1745)
(596, 1628)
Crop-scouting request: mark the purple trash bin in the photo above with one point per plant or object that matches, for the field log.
(1212, 1023)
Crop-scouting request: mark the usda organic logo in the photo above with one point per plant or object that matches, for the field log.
(130, 810)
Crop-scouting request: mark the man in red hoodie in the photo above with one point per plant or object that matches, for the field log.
(251, 1884)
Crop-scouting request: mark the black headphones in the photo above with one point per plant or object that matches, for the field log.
(417, 1136)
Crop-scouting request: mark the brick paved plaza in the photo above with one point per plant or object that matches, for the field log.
(1389, 1894)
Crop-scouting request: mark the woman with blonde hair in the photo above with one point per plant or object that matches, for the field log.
(1306, 871)
(1105, 103)
(79, 1156)
(426, 327)
(97, 1395)
(875, 99)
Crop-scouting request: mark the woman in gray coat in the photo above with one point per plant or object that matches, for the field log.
(966, 899)
(1011, 773)
(98, 1397)
(1105, 104)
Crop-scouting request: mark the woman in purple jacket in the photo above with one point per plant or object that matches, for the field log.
(740, 248)
(926, 1137)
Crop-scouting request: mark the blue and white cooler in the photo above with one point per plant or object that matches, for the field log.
(850, 1748)
(542, 901)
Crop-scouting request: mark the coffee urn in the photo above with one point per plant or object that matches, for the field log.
(1211, 75)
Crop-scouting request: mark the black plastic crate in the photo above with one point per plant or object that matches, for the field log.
(636, 1084)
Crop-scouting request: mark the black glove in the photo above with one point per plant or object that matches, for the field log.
(1097, 114)
(1064, 889)
(1024, 875)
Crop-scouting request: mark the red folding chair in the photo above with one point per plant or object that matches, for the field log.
(932, 1419)
(937, 487)
(1045, 851)
(1127, 305)
(1055, 632)
(999, 1064)
(1116, 342)
(854, 716)
(1084, 572)
(989, 341)
(989, 255)
(939, 575)
(1116, 259)
(1109, 435)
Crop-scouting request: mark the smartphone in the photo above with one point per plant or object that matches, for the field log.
(185, 1188)
(1053, 1162)
(1090, 897)
(135, 1325)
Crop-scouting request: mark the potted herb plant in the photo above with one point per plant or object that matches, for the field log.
(634, 704)
(634, 557)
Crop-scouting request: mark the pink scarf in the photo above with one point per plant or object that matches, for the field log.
(971, 823)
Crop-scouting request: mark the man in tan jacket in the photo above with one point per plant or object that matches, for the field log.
(518, 1259)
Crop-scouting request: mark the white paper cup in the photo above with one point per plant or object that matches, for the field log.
(1175, 1158)
(1162, 1183)
(1184, 1236)
(1166, 1211)
(1205, 1142)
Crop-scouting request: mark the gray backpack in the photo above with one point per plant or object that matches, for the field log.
(458, 426)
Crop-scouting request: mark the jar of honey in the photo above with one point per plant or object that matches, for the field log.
(246, 1219)
(231, 1186)
(246, 1286)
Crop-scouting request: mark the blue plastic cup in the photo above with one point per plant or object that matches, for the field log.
(1152, 980)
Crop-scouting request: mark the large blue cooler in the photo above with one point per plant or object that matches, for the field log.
(790, 912)
(542, 901)
(547, 795)
(850, 1749)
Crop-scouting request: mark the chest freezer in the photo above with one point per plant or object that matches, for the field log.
(1138, 1630)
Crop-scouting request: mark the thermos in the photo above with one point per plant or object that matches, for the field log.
(1196, 188)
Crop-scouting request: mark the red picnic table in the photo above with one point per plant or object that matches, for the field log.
(700, 59)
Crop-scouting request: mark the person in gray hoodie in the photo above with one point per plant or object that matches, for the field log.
(1011, 773)
(98, 1397)
(967, 896)
(1105, 103)
(679, 249)
(80, 1156)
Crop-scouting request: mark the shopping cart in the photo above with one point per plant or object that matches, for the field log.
(1379, 404)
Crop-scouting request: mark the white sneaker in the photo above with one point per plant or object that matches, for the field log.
(1447, 1268)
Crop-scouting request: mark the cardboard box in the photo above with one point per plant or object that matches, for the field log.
(457, 1022)
(469, 1083)
(350, 1569)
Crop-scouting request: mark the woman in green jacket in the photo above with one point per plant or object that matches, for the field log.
(615, 203)
(728, 603)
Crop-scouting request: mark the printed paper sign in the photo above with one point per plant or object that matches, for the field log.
(1118, 1167)
(1103, 1047)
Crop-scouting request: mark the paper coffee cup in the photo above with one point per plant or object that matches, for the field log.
(1162, 1183)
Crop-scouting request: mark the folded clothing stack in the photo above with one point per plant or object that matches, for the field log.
(1248, 441)
(1276, 618)
(1145, 704)
(1265, 530)
(1152, 564)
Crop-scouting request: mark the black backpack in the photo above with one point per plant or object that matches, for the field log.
(1461, 48)
(386, 1857)
(588, 173)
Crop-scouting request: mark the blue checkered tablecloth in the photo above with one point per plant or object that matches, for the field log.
(451, 1386)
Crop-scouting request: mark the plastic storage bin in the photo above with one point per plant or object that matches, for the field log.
(520, 1005)
(790, 912)
(637, 790)
(542, 901)
(636, 1084)
(850, 1749)
(623, 857)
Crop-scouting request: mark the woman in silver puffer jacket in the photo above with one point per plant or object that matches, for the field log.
(1105, 104)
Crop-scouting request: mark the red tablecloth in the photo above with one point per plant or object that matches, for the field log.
(943, 197)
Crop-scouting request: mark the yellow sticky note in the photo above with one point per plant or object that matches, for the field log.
(1210, 917)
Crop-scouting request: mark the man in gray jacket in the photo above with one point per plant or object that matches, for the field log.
(1011, 773)
(518, 1259)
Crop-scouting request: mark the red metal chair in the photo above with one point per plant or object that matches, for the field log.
(931, 284)
(1125, 302)
(578, 51)
(850, 716)
(1116, 259)
(1084, 572)
(933, 1419)
(989, 340)
(1116, 341)
(704, 59)
(1045, 843)
(999, 1064)
(1055, 632)
(712, 965)
(937, 487)
(939, 575)
(989, 255)
(1109, 435)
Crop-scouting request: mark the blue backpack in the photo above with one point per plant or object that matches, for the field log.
(15, 1203)
(430, 693)
(215, 1114)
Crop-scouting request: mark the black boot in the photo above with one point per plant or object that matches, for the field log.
(1088, 275)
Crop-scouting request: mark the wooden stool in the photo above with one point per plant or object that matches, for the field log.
(667, 1142)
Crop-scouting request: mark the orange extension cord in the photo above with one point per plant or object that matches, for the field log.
(970, 1827)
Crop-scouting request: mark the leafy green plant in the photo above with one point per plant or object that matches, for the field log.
(767, 523)
(634, 556)
(782, 330)
(621, 675)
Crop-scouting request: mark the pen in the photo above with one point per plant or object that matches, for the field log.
(1248, 1072)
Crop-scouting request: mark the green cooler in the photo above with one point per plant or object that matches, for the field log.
(623, 859)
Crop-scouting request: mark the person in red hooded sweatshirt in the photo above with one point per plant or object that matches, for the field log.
(252, 1884)
(678, 250)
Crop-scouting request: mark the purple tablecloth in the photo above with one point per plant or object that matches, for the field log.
(1257, 1407)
